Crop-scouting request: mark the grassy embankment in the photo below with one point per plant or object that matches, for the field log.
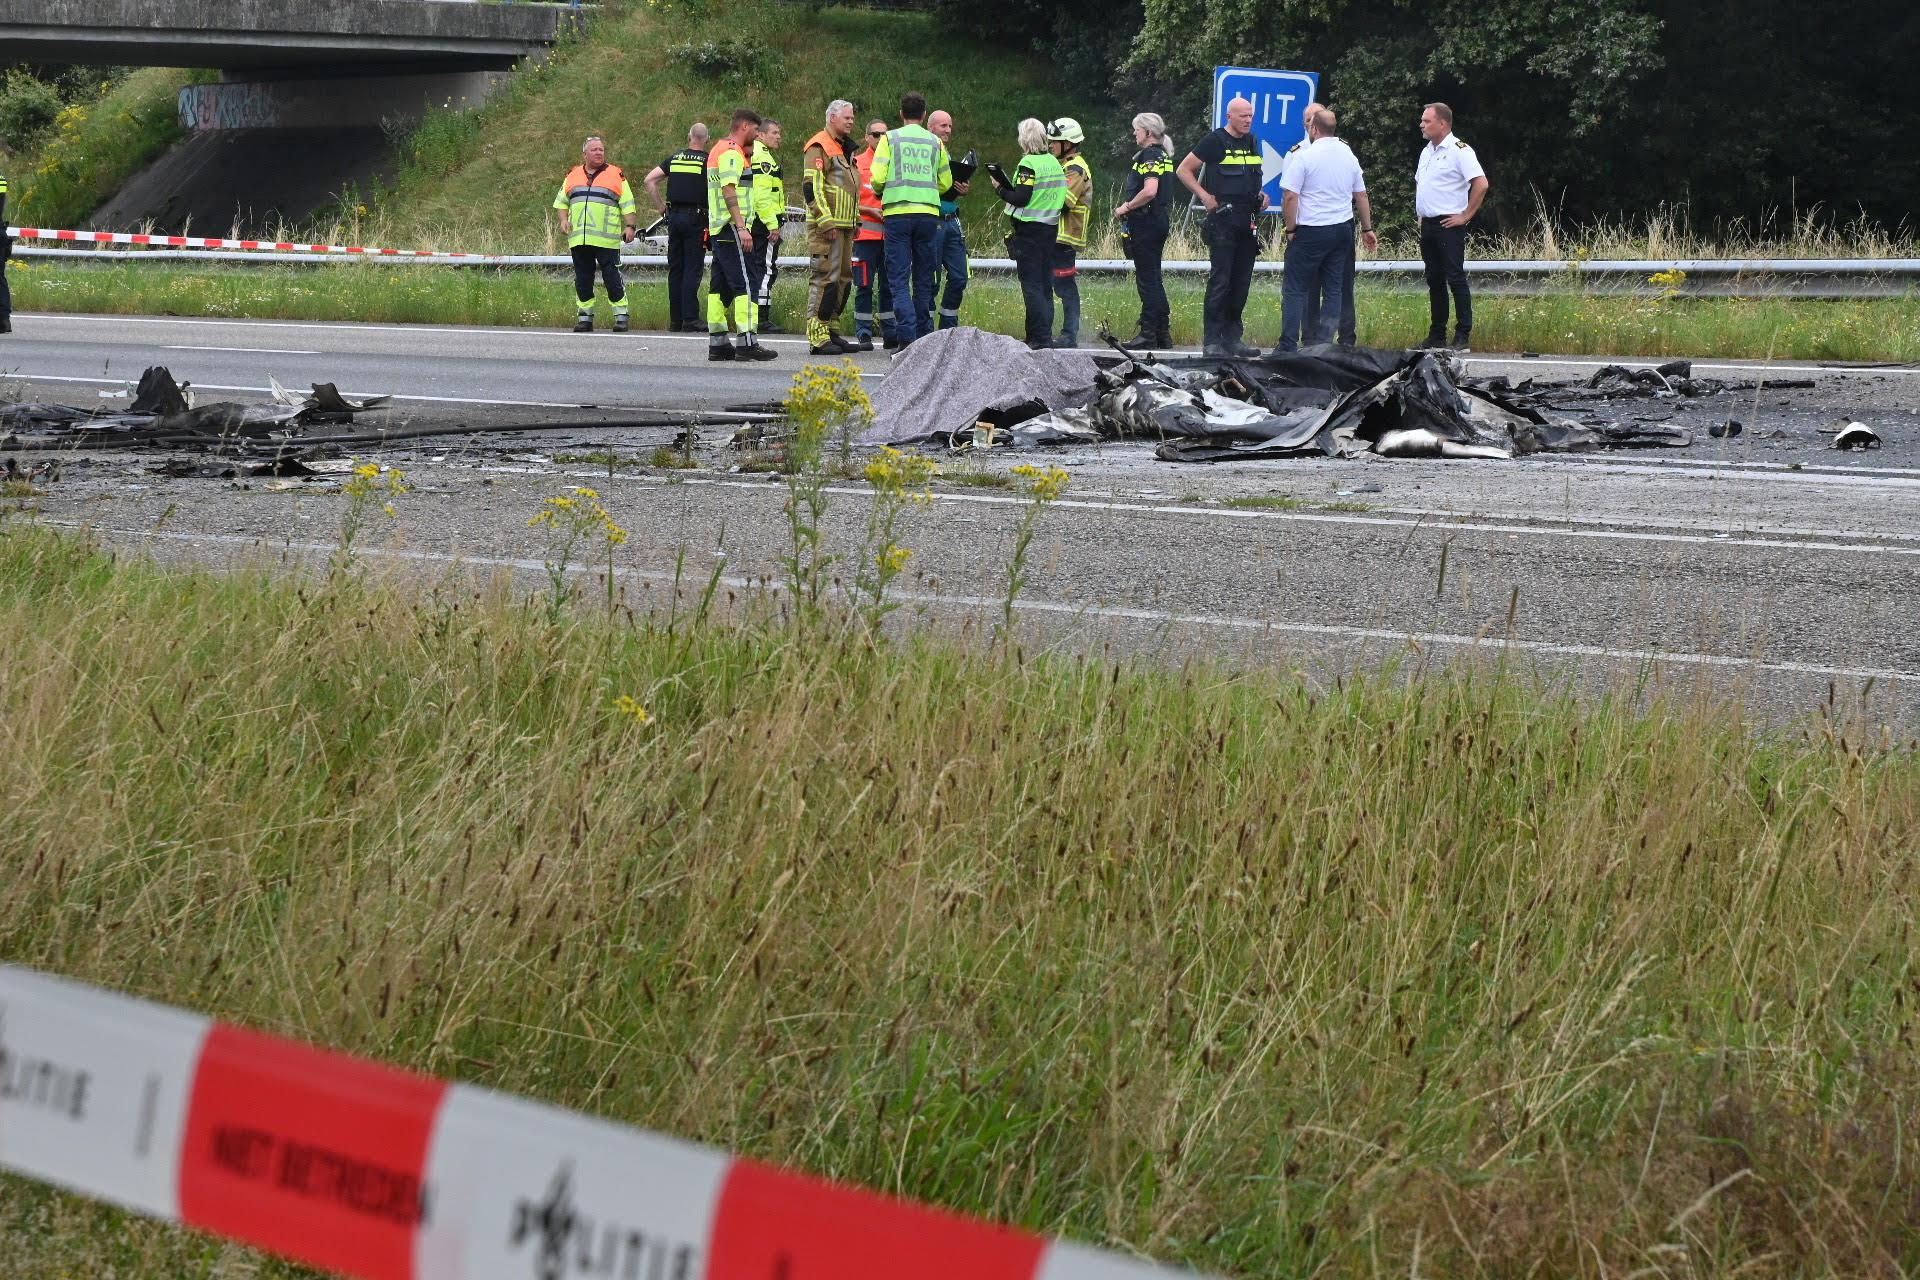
(96, 146)
(1451, 975)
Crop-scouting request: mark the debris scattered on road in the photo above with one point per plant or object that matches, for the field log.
(963, 388)
(1856, 435)
(163, 413)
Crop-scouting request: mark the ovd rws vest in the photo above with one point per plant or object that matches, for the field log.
(911, 181)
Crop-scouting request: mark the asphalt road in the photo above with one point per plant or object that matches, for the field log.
(422, 365)
(1768, 568)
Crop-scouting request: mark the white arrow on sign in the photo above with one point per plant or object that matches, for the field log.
(1271, 162)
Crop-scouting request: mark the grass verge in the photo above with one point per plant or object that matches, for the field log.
(1567, 321)
(1452, 973)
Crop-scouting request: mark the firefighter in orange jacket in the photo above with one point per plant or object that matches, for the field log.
(597, 216)
(830, 182)
(870, 257)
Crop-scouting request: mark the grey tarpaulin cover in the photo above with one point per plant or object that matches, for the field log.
(952, 378)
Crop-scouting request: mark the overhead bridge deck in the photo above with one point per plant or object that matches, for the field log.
(377, 37)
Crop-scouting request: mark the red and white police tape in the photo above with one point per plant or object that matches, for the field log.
(373, 1172)
(212, 242)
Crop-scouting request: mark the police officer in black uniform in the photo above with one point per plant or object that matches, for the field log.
(1233, 193)
(685, 206)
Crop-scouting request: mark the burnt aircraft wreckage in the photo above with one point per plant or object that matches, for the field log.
(1323, 401)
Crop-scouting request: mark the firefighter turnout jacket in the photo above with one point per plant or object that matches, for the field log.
(830, 181)
(1073, 220)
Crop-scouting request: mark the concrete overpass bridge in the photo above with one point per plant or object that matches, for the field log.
(369, 37)
(309, 93)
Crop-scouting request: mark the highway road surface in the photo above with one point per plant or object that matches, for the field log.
(1768, 568)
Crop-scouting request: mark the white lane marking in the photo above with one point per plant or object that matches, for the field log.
(1062, 609)
(1446, 525)
(267, 391)
(1431, 514)
(254, 351)
(1747, 470)
(1638, 362)
(349, 326)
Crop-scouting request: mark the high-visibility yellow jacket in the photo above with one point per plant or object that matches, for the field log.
(727, 167)
(769, 186)
(599, 204)
(910, 170)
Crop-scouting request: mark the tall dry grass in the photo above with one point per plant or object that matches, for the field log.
(1450, 974)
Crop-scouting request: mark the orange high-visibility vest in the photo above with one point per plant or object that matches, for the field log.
(873, 224)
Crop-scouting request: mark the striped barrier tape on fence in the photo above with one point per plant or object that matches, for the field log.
(213, 242)
(1896, 271)
(373, 1172)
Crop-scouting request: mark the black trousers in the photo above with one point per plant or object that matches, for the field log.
(686, 258)
(1444, 251)
(1231, 250)
(587, 261)
(1347, 330)
(1030, 245)
(1146, 246)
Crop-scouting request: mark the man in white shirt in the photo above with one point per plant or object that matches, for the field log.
(1449, 187)
(1324, 190)
(1346, 331)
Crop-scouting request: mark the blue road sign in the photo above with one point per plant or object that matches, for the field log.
(1279, 101)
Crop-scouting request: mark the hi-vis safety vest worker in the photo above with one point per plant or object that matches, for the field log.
(769, 186)
(873, 222)
(830, 181)
(598, 204)
(1074, 217)
(1049, 182)
(727, 167)
(910, 170)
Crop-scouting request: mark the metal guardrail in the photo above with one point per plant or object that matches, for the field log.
(1830, 277)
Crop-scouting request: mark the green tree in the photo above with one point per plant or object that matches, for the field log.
(1558, 70)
